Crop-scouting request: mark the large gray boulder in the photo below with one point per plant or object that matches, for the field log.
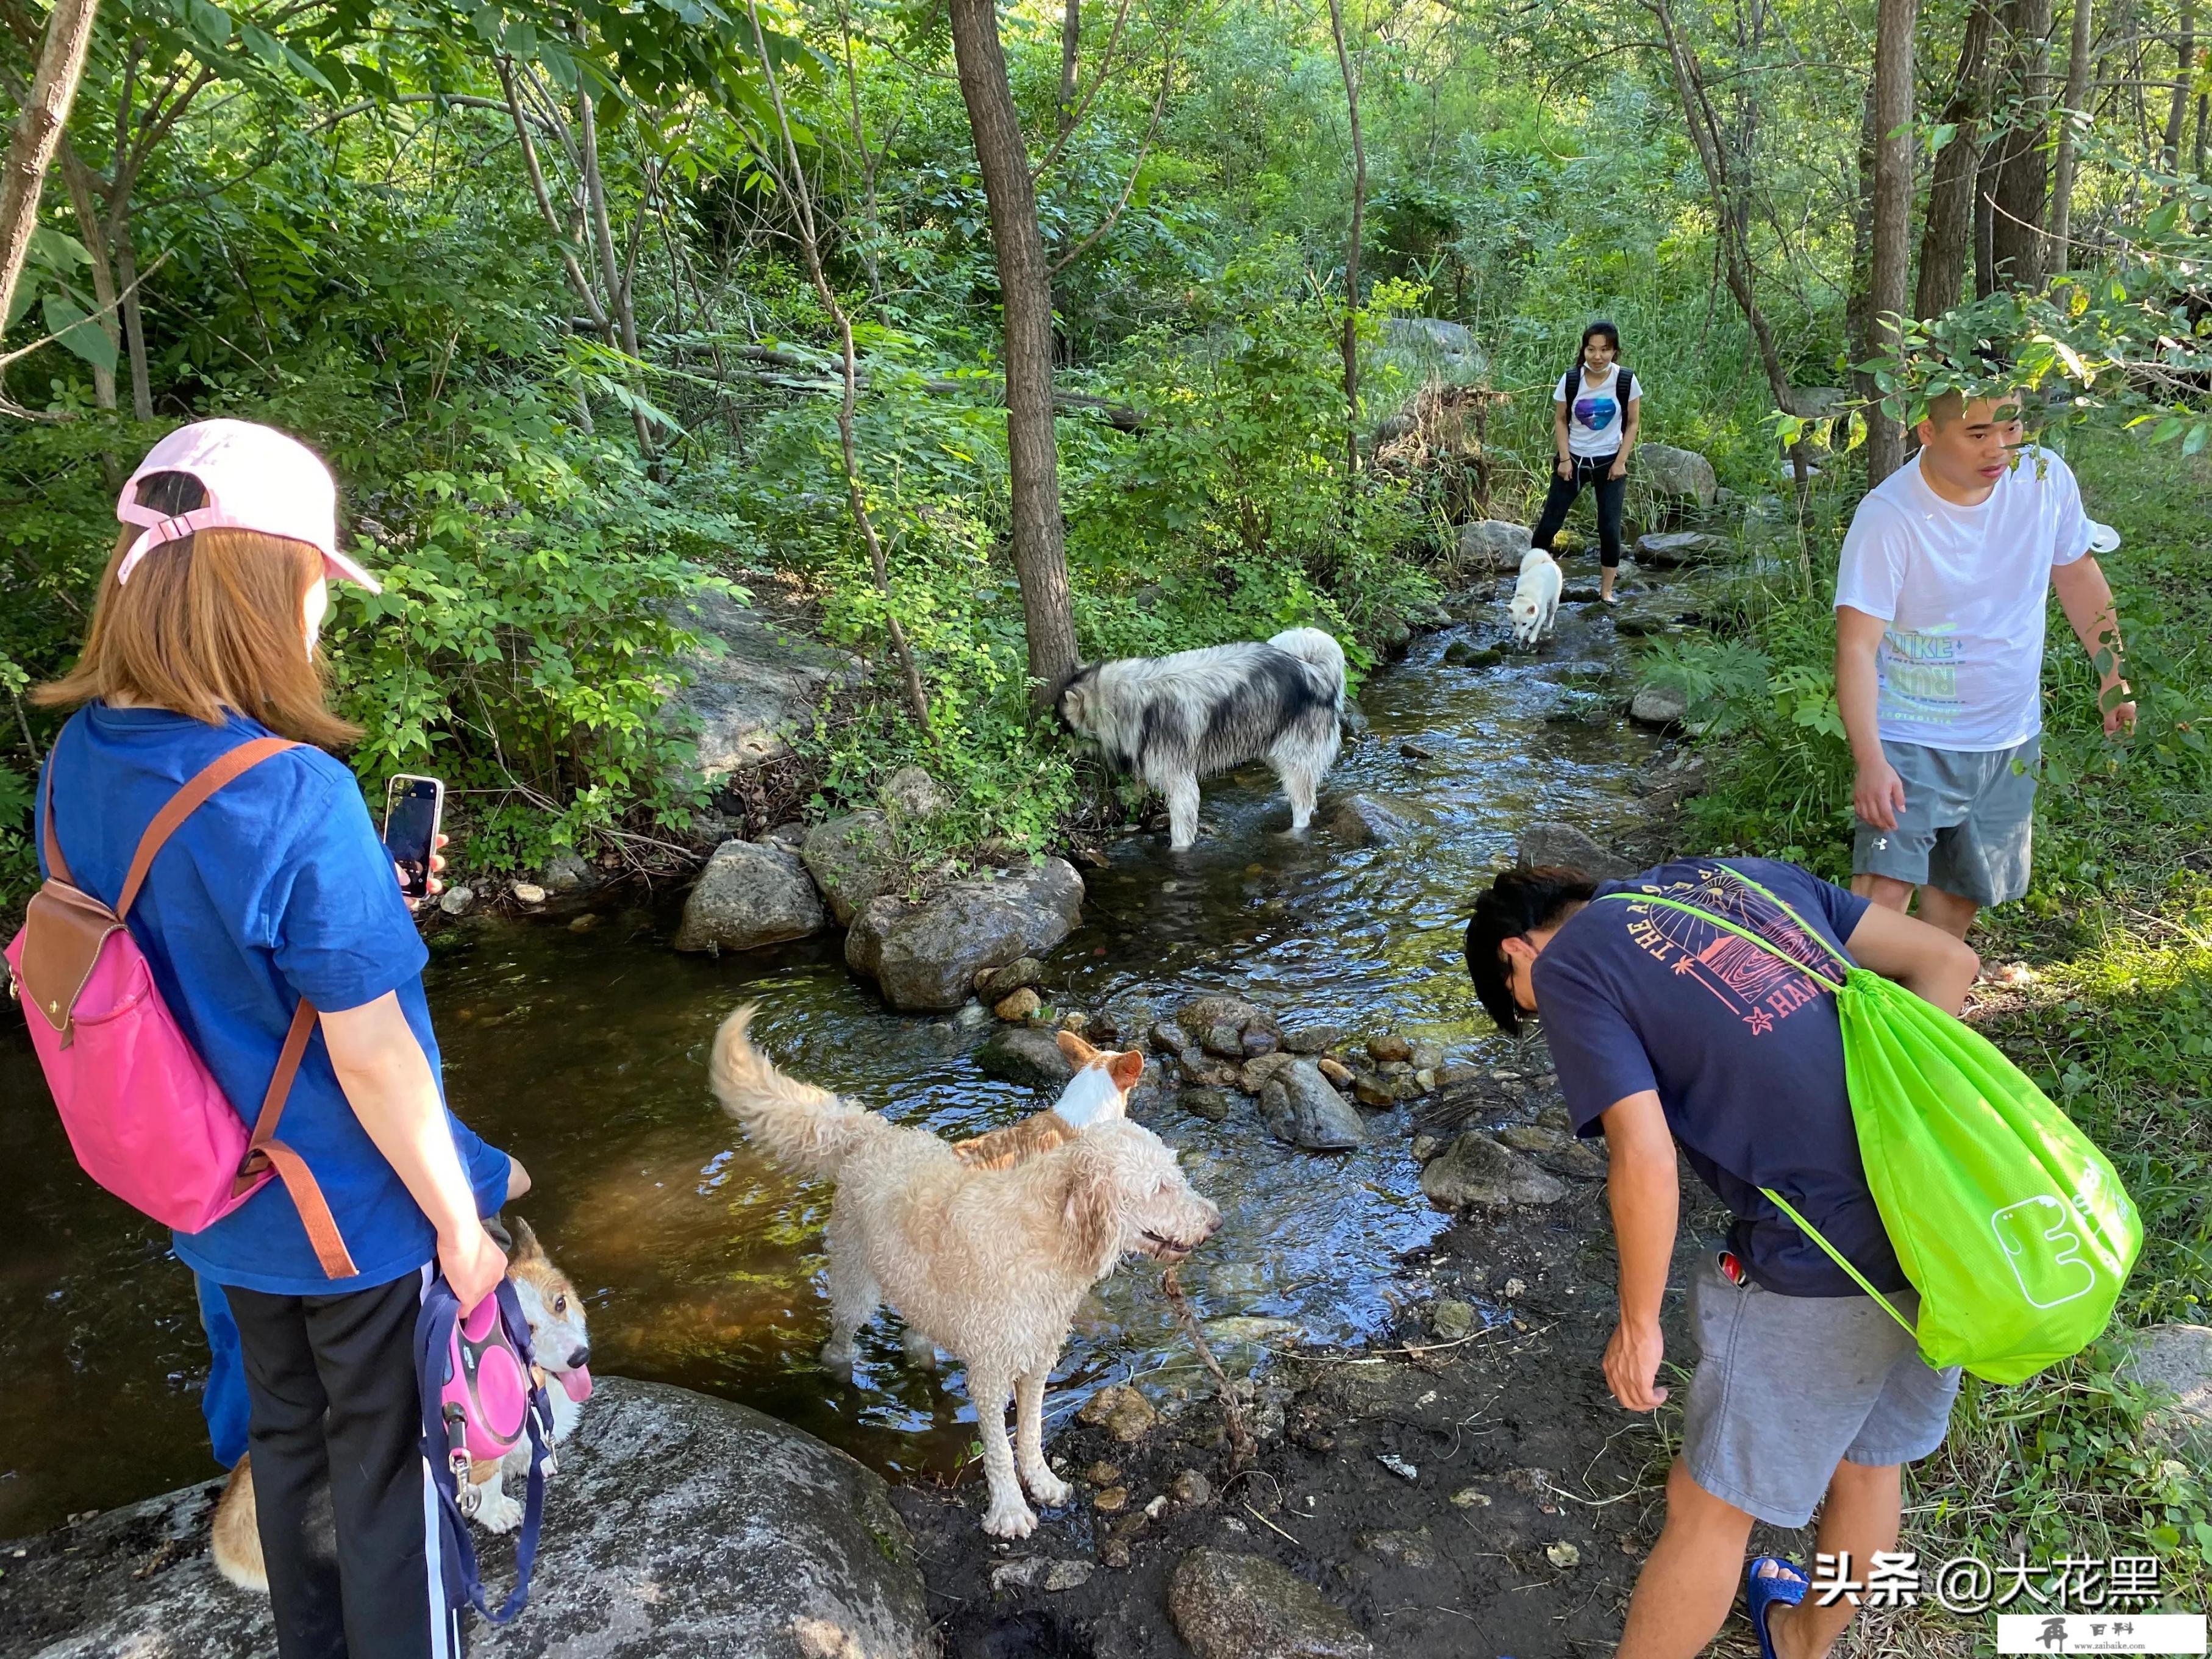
(1476, 1172)
(853, 859)
(925, 956)
(751, 894)
(1298, 1105)
(1679, 474)
(1026, 1054)
(1660, 706)
(1231, 1606)
(2172, 1364)
(765, 682)
(911, 795)
(1432, 347)
(677, 1524)
(1670, 550)
(1492, 545)
(1367, 821)
(1563, 846)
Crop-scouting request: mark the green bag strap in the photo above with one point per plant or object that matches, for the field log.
(1773, 950)
(1784, 905)
(1837, 1256)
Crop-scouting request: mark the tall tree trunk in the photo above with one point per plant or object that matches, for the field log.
(79, 180)
(1025, 296)
(38, 132)
(2177, 114)
(1893, 211)
(1351, 342)
(1071, 46)
(1950, 223)
(1858, 302)
(2016, 228)
(2078, 66)
(618, 308)
(134, 322)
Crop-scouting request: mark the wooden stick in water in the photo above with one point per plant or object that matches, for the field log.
(1242, 1450)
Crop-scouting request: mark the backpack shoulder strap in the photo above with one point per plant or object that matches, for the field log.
(187, 801)
(1623, 390)
(57, 867)
(265, 1152)
(1784, 905)
(1704, 915)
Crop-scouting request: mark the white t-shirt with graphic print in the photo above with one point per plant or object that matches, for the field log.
(1595, 418)
(1962, 589)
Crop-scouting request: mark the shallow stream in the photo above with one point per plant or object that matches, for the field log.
(584, 1053)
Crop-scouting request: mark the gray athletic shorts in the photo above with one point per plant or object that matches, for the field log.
(1787, 1387)
(1966, 824)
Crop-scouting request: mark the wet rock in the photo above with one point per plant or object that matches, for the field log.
(1425, 1147)
(1102, 1473)
(1494, 546)
(1660, 706)
(791, 835)
(568, 874)
(1372, 1089)
(1121, 1412)
(764, 683)
(1229, 1606)
(1335, 1071)
(1390, 1047)
(1041, 1573)
(1670, 550)
(585, 923)
(1168, 1038)
(1424, 1056)
(1415, 1550)
(1643, 622)
(1112, 1501)
(1212, 1105)
(2173, 1363)
(1250, 1328)
(1026, 1055)
(997, 984)
(1257, 1041)
(1257, 1074)
(1315, 1039)
(770, 1544)
(1451, 1319)
(748, 895)
(1454, 1072)
(1191, 1489)
(853, 859)
(528, 892)
(1225, 1042)
(455, 901)
(1477, 1173)
(1566, 846)
(1682, 474)
(1298, 1106)
(1204, 1013)
(1364, 821)
(925, 956)
(1425, 1079)
(1018, 1006)
(911, 794)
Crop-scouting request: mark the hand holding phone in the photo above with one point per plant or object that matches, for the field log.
(413, 808)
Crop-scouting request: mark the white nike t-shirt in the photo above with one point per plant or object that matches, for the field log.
(1595, 417)
(1962, 589)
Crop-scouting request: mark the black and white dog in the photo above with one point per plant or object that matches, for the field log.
(1173, 721)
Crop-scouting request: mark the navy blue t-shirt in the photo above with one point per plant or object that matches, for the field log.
(276, 889)
(1747, 1056)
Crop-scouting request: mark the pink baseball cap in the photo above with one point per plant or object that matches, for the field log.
(255, 478)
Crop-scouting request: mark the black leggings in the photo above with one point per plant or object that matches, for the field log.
(1588, 470)
(339, 1475)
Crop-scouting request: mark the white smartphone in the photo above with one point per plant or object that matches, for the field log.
(413, 808)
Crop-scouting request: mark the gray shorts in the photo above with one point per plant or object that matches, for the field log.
(1966, 824)
(1787, 1387)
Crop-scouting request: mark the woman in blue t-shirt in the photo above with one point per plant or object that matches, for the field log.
(1596, 409)
(276, 890)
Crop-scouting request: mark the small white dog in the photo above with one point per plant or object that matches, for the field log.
(988, 1264)
(563, 1352)
(1535, 605)
(1173, 721)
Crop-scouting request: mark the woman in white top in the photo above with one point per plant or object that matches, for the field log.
(1596, 409)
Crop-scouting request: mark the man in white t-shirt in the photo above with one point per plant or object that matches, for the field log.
(1939, 657)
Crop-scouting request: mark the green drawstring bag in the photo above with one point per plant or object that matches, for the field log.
(2011, 1224)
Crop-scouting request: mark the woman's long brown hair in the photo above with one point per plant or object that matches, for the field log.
(208, 623)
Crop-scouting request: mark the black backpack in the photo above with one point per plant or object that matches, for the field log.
(1623, 389)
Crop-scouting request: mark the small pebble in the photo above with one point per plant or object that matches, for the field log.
(1515, 1287)
(529, 892)
(1470, 1497)
(1112, 1501)
(1103, 1474)
(1192, 1489)
(1563, 1554)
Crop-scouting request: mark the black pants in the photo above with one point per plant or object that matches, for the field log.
(338, 1477)
(1588, 470)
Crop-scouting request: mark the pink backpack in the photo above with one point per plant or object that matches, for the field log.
(145, 1117)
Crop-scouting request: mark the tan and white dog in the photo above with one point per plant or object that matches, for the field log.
(988, 1264)
(1535, 604)
(563, 1351)
(1098, 1091)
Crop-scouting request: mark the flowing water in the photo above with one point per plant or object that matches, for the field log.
(584, 1055)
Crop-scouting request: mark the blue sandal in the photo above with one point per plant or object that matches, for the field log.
(1762, 1590)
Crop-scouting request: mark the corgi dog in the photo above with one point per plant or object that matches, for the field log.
(1098, 1091)
(1535, 605)
(563, 1353)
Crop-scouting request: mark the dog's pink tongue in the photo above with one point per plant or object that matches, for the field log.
(577, 1384)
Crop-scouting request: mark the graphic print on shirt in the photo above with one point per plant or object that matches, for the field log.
(1597, 413)
(1917, 671)
(1757, 988)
